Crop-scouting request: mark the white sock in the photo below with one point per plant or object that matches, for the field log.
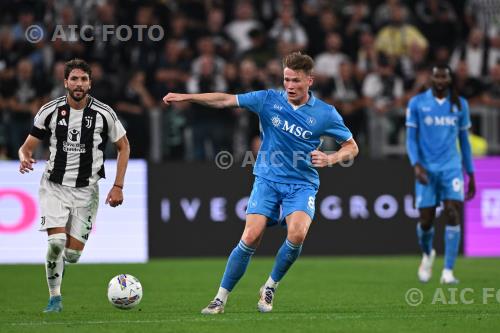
(222, 294)
(270, 283)
(54, 265)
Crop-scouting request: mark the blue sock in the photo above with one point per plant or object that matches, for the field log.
(425, 238)
(286, 256)
(236, 265)
(451, 245)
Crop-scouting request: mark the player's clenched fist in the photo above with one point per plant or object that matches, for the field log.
(319, 159)
(173, 97)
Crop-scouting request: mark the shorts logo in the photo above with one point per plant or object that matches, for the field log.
(457, 185)
(276, 120)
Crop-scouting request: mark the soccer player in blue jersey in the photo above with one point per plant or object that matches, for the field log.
(435, 120)
(292, 122)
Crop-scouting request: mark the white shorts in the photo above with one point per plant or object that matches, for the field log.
(73, 208)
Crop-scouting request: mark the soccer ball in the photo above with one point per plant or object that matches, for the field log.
(124, 291)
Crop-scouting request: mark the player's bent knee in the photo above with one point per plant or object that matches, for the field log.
(55, 246)
(72, 256)
(452, 215)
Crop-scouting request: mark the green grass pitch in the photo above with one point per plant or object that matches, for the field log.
(320, 294)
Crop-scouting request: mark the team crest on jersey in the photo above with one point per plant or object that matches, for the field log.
(63, 113)
(311, 121)
(454, 109)
(88, 121)
(276, 120)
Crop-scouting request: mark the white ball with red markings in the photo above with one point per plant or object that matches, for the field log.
(124, 291)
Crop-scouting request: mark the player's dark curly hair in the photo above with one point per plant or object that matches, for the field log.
(76, 64)
(454, 97)
(299, 62)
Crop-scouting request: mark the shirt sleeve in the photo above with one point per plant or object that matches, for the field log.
(253, 100)
(337, 129)
(464, 121)
(115, 127)
(39, 129)
(412, 114)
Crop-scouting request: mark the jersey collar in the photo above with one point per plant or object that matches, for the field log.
(310, 101)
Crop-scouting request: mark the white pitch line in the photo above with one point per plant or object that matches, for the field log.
(263, 318)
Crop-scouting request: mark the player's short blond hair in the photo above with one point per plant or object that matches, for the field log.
(299, 62)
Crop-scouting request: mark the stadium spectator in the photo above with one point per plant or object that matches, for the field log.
(288, 32)
(318, 27)
(383, 14)
(261, 50)
(395, 38)
(132, 108)
(491, 93)
(344, 91)
(367, 55)
(469, 87)
(438, 20)
(209, 129)
(474, 52)
(328, 62)
(243, 22)
(23, 97)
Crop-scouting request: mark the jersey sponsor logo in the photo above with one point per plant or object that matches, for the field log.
(74, 135)
(440, 121)
(62, 122)
(296, 130)
(70, 147)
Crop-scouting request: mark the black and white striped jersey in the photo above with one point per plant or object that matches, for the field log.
(77, 139)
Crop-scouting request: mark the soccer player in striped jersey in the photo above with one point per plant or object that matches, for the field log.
(436, 119)
(78, 127)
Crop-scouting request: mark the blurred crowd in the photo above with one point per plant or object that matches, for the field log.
(371, 57)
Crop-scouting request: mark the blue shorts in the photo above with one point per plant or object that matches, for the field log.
(443, 185)
(278, 200)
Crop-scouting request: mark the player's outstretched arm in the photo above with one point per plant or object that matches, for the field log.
(348, 151)
(115, 195)
(26, 154)
(214, 100)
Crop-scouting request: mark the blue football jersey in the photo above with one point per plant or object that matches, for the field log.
(438, 128)
(289, 136)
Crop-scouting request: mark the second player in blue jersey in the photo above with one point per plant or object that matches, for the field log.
(436, 119)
